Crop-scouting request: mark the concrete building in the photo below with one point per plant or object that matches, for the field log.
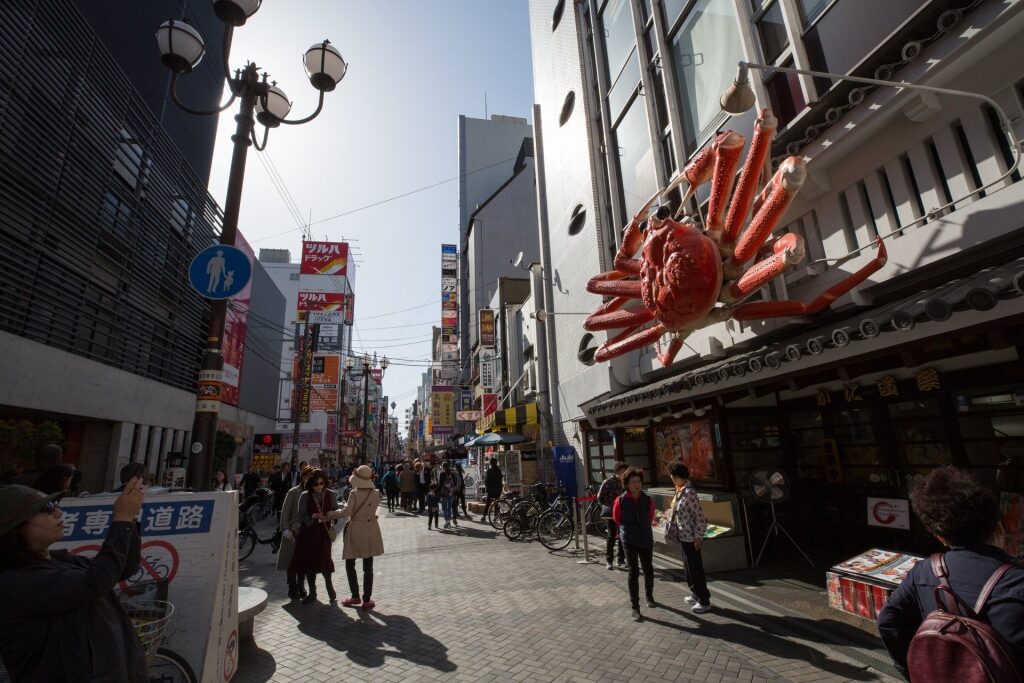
(105, 207)
(919, 365)
(489, 151)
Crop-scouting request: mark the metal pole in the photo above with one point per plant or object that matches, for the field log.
(342, 405)
(204, 426)
(366, 392)
(299, 384)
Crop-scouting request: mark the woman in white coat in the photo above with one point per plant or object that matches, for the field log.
(361, 535)
(290, 523)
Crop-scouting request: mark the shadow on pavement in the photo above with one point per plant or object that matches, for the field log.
(257, 664)
(367, 638)
(761, 637)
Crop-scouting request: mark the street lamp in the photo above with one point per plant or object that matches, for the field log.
(181, 50)
(739, 97)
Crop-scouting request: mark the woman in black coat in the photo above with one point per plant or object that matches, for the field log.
(313, 543)
(60, 619)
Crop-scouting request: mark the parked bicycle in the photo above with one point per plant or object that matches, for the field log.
(252, 510)
(522, 521)
(499, 510)
(556, 525)
(596, 524)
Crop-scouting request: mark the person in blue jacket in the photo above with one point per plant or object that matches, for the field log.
(965, 518)
(61, 620)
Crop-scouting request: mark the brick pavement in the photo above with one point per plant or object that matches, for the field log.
(473, 606)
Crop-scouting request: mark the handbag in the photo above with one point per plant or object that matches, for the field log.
(669, 526)
(351, 517)
(606, 512)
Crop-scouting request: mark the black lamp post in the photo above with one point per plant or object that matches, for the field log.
(181, 49)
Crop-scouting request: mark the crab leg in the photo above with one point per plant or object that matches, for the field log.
(613, 319)
(784, 185)
(626, 288)
(730, 147)
(700, 170)
(780, 309)
(674, 346)
(622, 344)
(746, 186)
(787, 251)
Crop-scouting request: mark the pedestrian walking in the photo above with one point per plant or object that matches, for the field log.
(389, 483)
(60, 616)
(633, 512)
(689, 526)
(447, 485)
(290, 524)
(460, 493)
(611, 488)
(965, 517)
(493, 485)
(250, 482)
(433, 501)
(407, 487)
(220, 481)
(422, 484)
(313, 544)
(362, 538)
(278, 486)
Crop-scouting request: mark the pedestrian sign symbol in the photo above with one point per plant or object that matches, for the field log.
(220, 272)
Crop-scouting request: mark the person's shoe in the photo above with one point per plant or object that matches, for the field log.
(333, 597)
(447, 525)
(622, 565)
(351, 602)
(700, 609)
(368, 604)
(690, 600)
(455, 522)
(650, 602)
(636, 616)
(610, 567)
(483, 520)
(309, 598)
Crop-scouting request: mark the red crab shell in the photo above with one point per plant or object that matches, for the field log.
(681, 274)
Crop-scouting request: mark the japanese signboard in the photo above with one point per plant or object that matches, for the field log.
(487, 328)
(488, 371)
(489, 403)
(183, 545)
(442, 409)
(266, 444)
(324, 258)
(893, 513)
(235, 327)
(313, 439)
(321, 307)
(322, 384)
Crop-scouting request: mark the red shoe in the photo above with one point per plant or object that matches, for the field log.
(369, 604)
(351, 602)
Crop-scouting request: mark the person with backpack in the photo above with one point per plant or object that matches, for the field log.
(977, 632)
(633, 512)
(448, 485)
(389, 482)
(611, 488)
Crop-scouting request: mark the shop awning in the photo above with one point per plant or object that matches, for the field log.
(983, 298)
(496, 439)
(521, 415)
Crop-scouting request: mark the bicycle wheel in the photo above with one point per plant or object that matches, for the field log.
(554, 530)
(168, 666)
(246, 543)
(597, 523)
(498, 512)
(512, 529)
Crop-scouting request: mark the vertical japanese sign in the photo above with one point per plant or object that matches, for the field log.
(486, 321)
(442, 409)
(235, 327)
(449, 312)
(488, 371)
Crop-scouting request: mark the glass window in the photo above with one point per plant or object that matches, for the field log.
(624, 87)
(705, 52)
(619, 37)
(636, 160)
(811, 10)
(672, 10)
(772, 30)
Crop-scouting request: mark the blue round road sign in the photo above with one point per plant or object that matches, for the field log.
(220, 272)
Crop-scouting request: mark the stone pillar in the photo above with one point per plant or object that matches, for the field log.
(120, 453)
(156, 438)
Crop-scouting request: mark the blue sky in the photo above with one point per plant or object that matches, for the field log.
(389, 128)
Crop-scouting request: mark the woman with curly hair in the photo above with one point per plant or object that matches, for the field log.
(965, 518)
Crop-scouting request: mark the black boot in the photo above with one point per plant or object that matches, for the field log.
(311, 597)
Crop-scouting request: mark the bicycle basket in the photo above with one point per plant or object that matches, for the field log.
(150, 619)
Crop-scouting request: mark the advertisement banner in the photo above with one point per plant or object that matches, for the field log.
(235, 327)
(565, 467)
(350, 307)
(323, 380)
(442, 409)
(324, 258)
(893, 513)
(486, 321)
(489, 404)
(469, 415)
(266, 444)
(332, 432)
(488, 371)
(183, 549)
(313, 439)
(321, 307)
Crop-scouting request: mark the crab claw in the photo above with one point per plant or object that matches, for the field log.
(784, 185)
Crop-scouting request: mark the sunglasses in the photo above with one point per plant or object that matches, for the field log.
(51, 507)
(320, 483)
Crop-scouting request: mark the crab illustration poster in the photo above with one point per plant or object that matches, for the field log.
(689, 443)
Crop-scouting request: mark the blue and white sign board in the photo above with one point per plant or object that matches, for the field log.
(220, 272)
(190, 541)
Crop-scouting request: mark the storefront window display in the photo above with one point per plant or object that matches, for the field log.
(601, 453)
(691, 443)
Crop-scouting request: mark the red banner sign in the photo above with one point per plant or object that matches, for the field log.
(489, 403)
(320, 301)
(324, 258)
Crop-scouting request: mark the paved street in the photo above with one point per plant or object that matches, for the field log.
(467, 606)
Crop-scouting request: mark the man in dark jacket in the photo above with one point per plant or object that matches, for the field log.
(493, 485)
(250, 482)
(60, 619)
(964, 517)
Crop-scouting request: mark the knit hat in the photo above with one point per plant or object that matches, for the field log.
(19, 504)
(362, 478)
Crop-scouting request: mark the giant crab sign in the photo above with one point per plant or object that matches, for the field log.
(686, 278)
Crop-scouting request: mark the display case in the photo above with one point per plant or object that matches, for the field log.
(724, 540)
(861, 585)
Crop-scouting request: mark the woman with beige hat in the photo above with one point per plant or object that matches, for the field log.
(362, 535)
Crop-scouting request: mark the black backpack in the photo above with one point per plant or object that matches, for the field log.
(955, 643)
